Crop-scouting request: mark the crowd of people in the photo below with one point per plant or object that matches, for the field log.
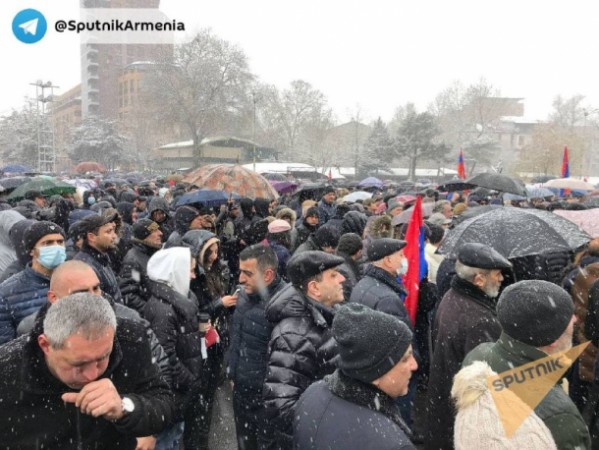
(123, 314)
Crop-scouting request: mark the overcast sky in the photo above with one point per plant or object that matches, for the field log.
(375, 54)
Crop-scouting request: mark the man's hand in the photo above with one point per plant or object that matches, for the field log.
(146, 443)
(229, 300)
(98, 399)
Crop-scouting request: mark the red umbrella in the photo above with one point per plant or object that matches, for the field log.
(89, 166)
(232, 178)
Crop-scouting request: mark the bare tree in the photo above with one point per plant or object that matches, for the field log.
(202, 86)
(18, 136)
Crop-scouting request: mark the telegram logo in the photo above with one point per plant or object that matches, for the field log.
(29, 26)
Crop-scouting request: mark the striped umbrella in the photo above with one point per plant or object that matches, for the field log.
(232, 178)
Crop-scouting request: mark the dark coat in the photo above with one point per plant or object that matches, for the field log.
(380, 291)
(134, 274)
(341, 413)
(325, 212)
(283, 256)
(174, 319)
(308, 245)
(352, 272)
(158, 203)
(304, 231)
(100, 262)
(556, 410)
(248, 357)
(301, 350)
(21, 295)
(38, 416)
(465, 318)
(17, 232)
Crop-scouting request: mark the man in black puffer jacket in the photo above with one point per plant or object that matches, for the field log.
(301, 349)
(248, 357)
(147, 240)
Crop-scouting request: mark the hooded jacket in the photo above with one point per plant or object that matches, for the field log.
(262, 205)
(17, 232)
(160, 204)
(301, 350)
(125, 210)
(100, 262)
(7, 251)
(173, 314)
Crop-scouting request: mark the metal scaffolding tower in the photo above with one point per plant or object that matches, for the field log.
(46, 153)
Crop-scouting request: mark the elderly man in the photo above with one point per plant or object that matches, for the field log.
(355, 407)
(79, 380)
(301, 349)
(379, 289)
(466, 317)
(25, 292)
(537, 318)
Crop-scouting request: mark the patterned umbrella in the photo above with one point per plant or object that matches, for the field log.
(232, 178)
(89, 166)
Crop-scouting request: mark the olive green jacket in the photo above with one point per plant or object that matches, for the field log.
(556, 410)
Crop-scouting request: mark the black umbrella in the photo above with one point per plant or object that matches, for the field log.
(498, 182)
(516, 232)
(473, 211)
(13, 182)
(455, 185)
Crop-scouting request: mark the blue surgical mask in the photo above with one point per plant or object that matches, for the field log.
(52, 256)
(91, 200)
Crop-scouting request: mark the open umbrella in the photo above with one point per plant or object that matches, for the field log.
(569, 183)
(206, 197)
(15, 168)
(283, 187)
(516, 232)
(232, 178)
(404, 216)
(89, 166)
(115, 181)
(84, 183)
(357, 195)
(455, 185)
(13, 182)
(498, 182)
(371, 182)
(45, 186)
(587, 219)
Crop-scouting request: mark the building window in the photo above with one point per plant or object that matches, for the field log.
(131, 88)
(520, 140)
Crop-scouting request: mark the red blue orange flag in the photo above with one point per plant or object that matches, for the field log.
(414, 252)
(461, 166)
(565, 164)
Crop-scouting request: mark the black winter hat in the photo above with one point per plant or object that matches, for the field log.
(328, 190)
(185, 215)
(327, 237)
(354, 222)
(312, 211)
(305, 265)
(92, 222)
(534, 312)
(482, 256)
(143, 228)
(37, 231)
(379, 248)
(370, 342)
(349, 244)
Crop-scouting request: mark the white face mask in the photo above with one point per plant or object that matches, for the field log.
(403, 269)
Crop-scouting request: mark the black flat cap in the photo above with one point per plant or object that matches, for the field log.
(95, 221)
(306, 265)
(379, 248)
(482, 256)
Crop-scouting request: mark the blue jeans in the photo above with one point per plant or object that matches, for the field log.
(169, 438)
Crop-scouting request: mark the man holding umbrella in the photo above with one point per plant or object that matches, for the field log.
(466, 318)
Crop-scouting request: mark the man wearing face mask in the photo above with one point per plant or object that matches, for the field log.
(25, 292)
(380, 289)
(466, 317)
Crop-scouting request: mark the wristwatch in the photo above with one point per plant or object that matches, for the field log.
(127, 405)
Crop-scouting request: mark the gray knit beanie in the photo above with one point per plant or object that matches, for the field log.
(370, 342)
